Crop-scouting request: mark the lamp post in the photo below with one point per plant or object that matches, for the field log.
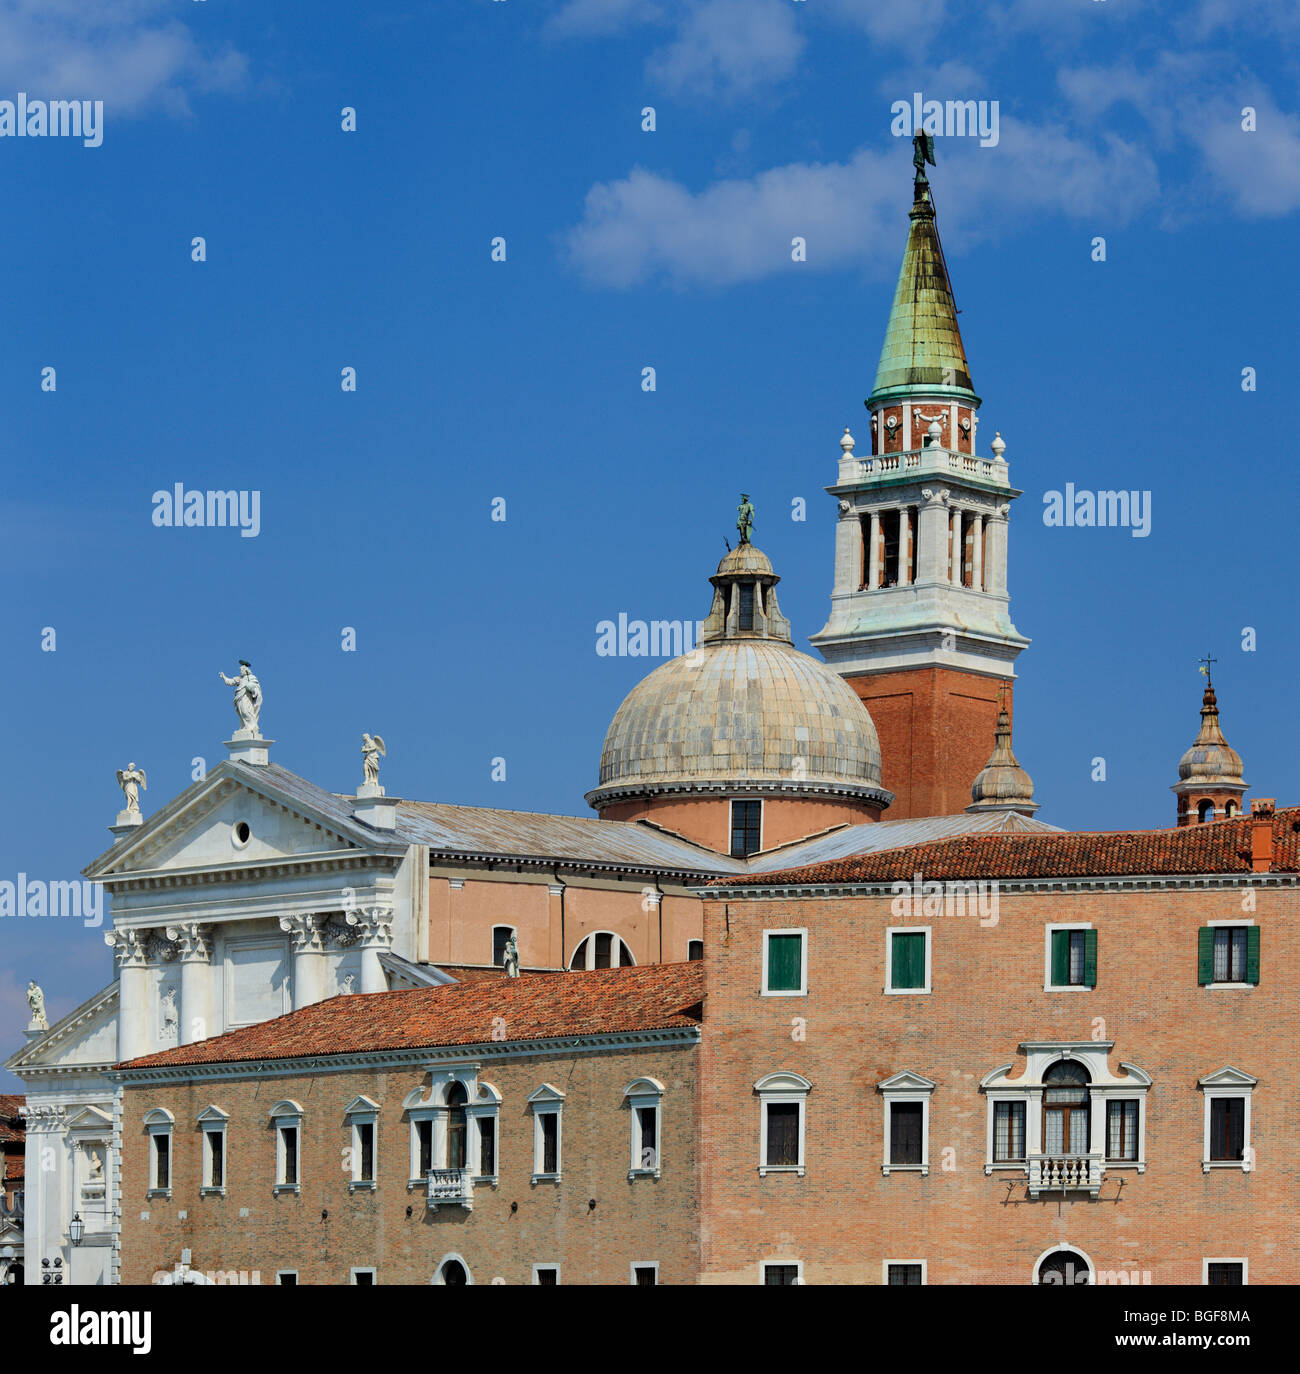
(76, 1228)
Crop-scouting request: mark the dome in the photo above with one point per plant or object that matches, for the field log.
(737, 714)
(1210, 761)
(1002, 785)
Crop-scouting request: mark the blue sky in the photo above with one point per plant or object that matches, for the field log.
(522, 379)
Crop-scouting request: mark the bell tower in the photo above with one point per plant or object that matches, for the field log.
(920, 622)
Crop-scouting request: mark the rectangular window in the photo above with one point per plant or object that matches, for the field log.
(287, 1278)
(365, 1145)
(289, 1156)
(215, 1149)
(1227, 1128)
(424, 1144)
(783, 962)
(781, 1275)
(1071, 958)
(645, 1275)
(1122, 1130)
(905, 1276)
(1225, 1273)
(604, 948)
(695, 949)
(746, 617)
(546, 1275)
(487, 1146)
(647, 1120)
(908, 961)
(162, 1162)
(500, 939)
(1228, 954)
(905, 1133)
(550, 1142)
(1008, 1132)
(782, 1134)
(363, 1278)
(746, 828)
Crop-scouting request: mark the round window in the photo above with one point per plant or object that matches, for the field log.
(241, 834)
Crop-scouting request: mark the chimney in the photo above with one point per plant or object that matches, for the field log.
(1261, 834)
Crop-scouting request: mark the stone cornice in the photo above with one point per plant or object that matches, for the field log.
(1190, 882)
(159, 879)
(494, 1051)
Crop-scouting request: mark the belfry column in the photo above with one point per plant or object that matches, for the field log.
(195, 1016)
(997, 574)
(308, 932)
(954, 571)
(133, 1031)
(977, 552)
(932, 522)
(873, 552)
(905, 546)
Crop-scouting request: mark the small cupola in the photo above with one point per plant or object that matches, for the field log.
(1002, 785)
(1210, 784)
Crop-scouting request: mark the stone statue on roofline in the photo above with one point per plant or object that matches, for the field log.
(510, 959)
(131, 779)
(745, 518)
(36, 1001)
(373, 749)
(248, 697)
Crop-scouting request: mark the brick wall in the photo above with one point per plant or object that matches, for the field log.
(642, 1220)
(844, 1218)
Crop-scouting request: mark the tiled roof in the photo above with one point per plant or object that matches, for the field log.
(536, 1007)
(11, 1126)
(1219, 847)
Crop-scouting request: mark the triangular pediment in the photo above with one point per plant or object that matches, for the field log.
(237, 815)
(89, 1119)
(84, 1038)
(1227, 1077)
(907, 1081)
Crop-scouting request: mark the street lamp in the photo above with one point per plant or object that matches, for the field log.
(76, 1228)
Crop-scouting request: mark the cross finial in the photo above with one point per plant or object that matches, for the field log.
(1206, 663)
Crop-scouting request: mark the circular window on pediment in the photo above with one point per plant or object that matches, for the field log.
(240, 834)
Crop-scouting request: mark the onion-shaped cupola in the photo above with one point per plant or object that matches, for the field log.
(1210, 782)
(1002, 785)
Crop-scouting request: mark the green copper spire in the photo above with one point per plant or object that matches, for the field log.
(923, 349)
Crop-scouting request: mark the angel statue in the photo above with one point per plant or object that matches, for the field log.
(248, 696)
(922, 152)
(372, 750)
(131, 779)
(36, 1001)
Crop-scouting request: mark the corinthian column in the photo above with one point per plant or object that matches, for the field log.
(133, 1030)
(195, 1017)
(308, 932)
(374, 928)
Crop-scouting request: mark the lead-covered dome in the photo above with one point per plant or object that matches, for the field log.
(744, 712)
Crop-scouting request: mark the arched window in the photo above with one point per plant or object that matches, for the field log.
(602, 949)
(453, 1271)
(1061, 1267)
(456, 1099)
(695, 949)
(1204, 812)
(500, 938)
(1065, 1109)
(1231, 809)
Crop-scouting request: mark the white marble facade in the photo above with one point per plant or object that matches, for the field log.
(247, 896)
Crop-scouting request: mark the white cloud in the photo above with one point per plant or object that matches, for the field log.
(593, 18)
(129, 54)
(648, 227)
(728, 47)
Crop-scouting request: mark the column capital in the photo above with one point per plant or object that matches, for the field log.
(309, 931)
(373, 926)
(194, 939)
(128, 947)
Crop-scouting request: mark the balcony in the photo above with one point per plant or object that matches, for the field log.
(926, 462)
(450, 1188)
(1065, 1174)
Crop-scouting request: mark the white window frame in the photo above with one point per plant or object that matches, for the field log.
(160, 1122)
(552, 1264)
(362, 1111)
(547, 1100)
(884, 1270)
(1105, 1096)
(1242, 984)
(642, 1264)
(1225, 1259)
(615, 951)
(802, 989)
(798, 1265)
(989, 1162)
(772, 1089)
(280, 1273)
(363, 1269)
(1048, 931)
(1228, 1082)
(645, 1094)
(286, 1115)
(899, 1088)
(482, 1102)
(890, 932)
(212, 1122)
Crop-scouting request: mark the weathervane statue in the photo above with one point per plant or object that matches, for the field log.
(922, 152)
(248, 696)
(745, 518)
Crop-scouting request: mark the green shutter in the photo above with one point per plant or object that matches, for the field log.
(1090, 958)
(1060, 958)
(908, 956)
(784, 963)
(1205, 955)
(1252, 954)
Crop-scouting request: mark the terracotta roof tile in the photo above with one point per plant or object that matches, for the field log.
(1219, 847)
(536, 1007)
